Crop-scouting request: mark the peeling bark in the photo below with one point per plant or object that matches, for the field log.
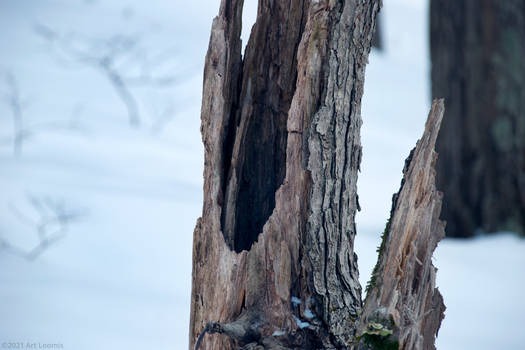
(273, 259)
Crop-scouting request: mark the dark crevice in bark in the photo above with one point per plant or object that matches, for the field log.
(255, 145)
(262, 172)
(228, 145)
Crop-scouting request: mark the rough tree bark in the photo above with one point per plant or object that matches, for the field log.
(477, 51)
(273, 260)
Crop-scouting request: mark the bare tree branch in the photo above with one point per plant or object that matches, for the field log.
(16, 106)
(114, 58)
(51, 224)
(21, 130)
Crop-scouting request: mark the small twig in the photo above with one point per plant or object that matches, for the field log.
(16, 106)
(21, 131)
(245, 329)
(211, 327)
(125, 95)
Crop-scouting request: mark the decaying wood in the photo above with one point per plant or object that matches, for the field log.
(282, 150)
(273, 259)
(402, 296)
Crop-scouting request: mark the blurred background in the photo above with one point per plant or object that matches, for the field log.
(101, 163)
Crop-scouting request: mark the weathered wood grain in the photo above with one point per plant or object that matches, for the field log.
(273, 259)
(402, 296)
(282, 151)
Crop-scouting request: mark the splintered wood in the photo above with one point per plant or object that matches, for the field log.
(403, 297)
(273, 253)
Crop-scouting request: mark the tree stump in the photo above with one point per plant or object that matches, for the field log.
(273, 259)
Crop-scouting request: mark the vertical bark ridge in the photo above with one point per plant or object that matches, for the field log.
(335, 155)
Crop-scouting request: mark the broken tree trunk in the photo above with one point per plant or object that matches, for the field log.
(402, 297)
(273, 260)
(282, 150)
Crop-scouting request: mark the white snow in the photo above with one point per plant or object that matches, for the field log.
(300, 324)
(120, 277)
(295, 300)
(309, 314)
(278, 333)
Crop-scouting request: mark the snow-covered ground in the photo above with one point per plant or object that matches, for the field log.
(126, 199)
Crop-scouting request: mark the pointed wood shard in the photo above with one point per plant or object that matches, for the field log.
(403, 308)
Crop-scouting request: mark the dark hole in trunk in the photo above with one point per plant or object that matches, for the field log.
(263, 171)
(256, 169)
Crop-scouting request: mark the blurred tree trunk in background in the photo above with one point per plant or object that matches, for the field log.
(478, 66)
